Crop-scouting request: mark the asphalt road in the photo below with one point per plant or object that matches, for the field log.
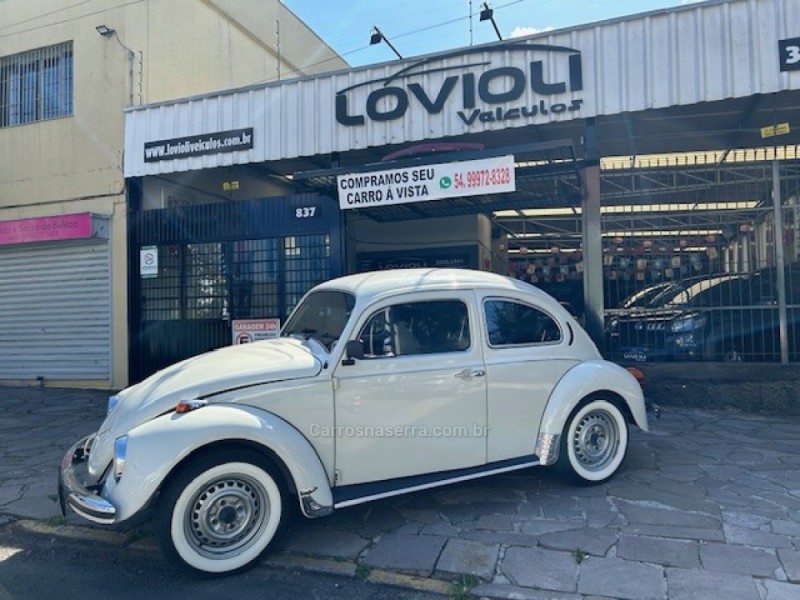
(41, 567)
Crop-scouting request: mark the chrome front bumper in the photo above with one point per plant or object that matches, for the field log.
(72, 492)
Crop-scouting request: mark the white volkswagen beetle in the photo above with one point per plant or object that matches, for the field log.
(380, 384)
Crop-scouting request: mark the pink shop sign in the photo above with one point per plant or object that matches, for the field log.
(46, 229)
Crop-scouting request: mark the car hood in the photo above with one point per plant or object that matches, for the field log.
(204, 376)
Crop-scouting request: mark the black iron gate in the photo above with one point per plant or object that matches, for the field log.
(220, 262)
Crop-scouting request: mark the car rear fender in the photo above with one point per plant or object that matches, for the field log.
(159, 447)
(594, 377)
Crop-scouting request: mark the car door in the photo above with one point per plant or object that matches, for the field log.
(416, 402)
(527, 352)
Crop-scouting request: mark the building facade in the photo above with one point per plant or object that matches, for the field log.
(611, 164)
(68, 71)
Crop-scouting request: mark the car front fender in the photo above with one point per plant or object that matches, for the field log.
(156, 448)
(583, 380)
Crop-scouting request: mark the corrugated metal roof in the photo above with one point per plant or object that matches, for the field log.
(702, 53)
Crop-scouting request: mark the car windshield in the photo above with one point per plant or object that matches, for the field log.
(701, 292)
(322, 316)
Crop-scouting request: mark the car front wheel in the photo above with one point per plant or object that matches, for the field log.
(221, 513)
(594, 442)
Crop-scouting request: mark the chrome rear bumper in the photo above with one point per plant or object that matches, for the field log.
(72, 492)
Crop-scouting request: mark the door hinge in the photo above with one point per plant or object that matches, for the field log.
(335, 383)
(337, 475)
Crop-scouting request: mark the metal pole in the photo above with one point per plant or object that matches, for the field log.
(593, 303)
(780, 273)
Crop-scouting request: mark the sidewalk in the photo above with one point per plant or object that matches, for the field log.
(707, 506)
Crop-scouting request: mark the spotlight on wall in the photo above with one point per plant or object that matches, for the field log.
(377, 37)
(105, 31)
(487, 14)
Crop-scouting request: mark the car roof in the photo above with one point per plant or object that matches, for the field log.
(373, 284)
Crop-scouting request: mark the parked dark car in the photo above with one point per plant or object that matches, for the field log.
(724, 317)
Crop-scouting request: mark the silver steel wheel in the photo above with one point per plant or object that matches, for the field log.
(226, 515)
(595, 440)
(221, 513)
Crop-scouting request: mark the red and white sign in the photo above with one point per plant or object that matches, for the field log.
(46, 229)
(428, 182)
(246, 331)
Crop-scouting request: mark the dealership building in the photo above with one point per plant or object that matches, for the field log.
(604, 163)
(643, 170)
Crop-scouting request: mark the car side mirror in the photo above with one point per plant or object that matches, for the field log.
(354, 350)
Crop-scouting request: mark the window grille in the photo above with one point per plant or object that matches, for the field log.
(36, 85)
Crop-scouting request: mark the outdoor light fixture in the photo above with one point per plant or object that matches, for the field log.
(377, 37)
(107, 32)
(487, 14)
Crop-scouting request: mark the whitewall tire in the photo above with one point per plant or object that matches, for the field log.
(221, 513)
(594, 442)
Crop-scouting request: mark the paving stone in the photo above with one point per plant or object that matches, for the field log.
(777, 590)
(463, 556)
(513, 592)
(668, 494)
(749, 537)
(325, 542)
(10, 493)
(738, 559)
(667, 553)
(415, 554)
(543, 526)
(621, 579)
(442, 528)
(790, 559)
(540, 568)
(381, 518)
(500, 537)
(786, 527)
(426, 516)
(640, 513)
(592, 541)
(495, 523)
(745, 519)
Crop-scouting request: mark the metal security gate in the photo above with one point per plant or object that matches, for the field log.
(221, 262)
(55, 311)
(697, 262)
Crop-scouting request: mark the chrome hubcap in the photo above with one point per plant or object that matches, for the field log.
(595, 440)
(227, 514)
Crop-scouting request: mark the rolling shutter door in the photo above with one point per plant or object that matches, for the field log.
(55, 311)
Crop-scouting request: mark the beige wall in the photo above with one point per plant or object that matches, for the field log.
(179, 48)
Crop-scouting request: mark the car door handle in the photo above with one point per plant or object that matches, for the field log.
(470, 373)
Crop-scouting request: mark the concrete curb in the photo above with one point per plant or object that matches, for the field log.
(280, 560)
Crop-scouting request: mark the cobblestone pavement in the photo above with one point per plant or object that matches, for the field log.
(707, 505)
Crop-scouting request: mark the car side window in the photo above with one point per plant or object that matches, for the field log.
(511, 323)
(415, 328)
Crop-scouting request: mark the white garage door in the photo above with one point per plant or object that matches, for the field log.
(55, 311)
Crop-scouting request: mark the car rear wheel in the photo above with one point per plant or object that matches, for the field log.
(594, 442)
(221, 513)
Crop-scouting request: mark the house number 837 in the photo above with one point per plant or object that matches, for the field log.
(305, 212)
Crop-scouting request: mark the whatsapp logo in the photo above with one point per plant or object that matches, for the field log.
(445, 182)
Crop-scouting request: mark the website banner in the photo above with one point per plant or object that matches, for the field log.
(197, 145)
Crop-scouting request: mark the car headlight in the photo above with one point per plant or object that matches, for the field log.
(113, 401)
(687, 323)
(120, 450)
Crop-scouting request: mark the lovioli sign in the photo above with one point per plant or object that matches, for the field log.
(476, 91)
